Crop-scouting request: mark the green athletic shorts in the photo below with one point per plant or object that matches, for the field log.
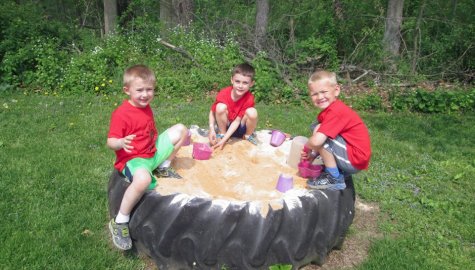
(164, 149)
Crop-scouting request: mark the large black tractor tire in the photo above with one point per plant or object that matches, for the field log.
(180, 231)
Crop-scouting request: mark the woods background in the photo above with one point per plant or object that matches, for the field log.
(66, 46)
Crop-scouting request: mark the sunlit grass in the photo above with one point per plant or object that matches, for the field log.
(54, 169)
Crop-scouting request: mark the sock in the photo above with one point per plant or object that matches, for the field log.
(121, 218)
(333, 171)
(165, 164)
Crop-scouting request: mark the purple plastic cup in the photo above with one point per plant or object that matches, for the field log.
(277, 138)
(285, 182)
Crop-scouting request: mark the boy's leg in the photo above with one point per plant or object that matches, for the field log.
(250, 122)
(221, 117)
(118, 226)
(168, 144)
(333, 152)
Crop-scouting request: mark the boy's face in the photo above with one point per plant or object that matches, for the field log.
(140, 92)
(323, 93)
(241, 84)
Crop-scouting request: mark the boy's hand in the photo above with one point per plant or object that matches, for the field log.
(126, 142)
(219, 145)
(212, 137)
(306, 154)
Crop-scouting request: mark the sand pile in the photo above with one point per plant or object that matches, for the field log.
(240, 172)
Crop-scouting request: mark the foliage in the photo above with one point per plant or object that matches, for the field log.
(438, 101)
(41, 50)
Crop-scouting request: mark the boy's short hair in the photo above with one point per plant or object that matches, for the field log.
(244, 69)
(323, 75)
(139, 71)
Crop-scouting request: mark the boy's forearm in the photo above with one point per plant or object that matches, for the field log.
(114, 143)
(232, 128)
(211, 120)
(317, 140)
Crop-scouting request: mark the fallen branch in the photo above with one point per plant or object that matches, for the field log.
(178, 49)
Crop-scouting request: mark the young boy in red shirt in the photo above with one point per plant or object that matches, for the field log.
(233, 110)
(340, 138)
(138, 147)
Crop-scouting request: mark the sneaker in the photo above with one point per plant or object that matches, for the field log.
(120, 235)
(327, 181)
(167, 172)
(252, 139)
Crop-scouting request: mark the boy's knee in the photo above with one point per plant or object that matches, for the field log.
(142, 179)
(251, 113)
(221, 108)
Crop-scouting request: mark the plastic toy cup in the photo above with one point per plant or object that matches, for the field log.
(305, 163)
(201, 151)
(285, 182)
(310, 170)
(187, 139)
(277, 138)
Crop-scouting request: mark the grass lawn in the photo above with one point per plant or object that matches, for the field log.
(54, 169)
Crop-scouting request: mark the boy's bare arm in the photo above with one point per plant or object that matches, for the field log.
(317, 140)
(211, 132)
(232, 127)
(122, 143)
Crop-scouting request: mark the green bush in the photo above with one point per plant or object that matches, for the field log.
(438, 101)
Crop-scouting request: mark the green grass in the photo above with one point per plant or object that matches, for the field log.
(54, 169)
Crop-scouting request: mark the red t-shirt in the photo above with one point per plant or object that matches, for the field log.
(339, 119)
(127, 120)
(235, 108)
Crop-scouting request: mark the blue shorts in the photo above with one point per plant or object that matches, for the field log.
(240, 131)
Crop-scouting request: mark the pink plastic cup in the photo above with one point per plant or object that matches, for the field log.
(277, 138)
(285, 182)
(201, 151)
(187, 139)
(309, 171)
(304, 163)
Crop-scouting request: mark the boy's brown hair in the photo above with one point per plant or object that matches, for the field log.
(138, 71)
(244, 69)
(323, 75)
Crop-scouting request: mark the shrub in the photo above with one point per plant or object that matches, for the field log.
(433, 102)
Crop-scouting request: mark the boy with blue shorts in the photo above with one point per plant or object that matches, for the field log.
(138, 147)
(340, 136)
(233, 110)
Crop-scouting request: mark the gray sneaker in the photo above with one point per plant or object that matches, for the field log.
(168, 172)
(252, 139)
(327, 181)
(120, 235)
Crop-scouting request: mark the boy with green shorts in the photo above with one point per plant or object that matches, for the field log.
(138, 147)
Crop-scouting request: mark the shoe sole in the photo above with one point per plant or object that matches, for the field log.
(330, 187)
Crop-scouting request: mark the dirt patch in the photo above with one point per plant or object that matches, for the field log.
(363, 231)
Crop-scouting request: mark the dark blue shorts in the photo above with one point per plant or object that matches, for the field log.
(240, 131)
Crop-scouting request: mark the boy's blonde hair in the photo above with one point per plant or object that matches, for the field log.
(138, 71)
(244, 69)
(320, 75)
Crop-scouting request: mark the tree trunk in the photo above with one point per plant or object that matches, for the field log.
(392, 33)
(262, 16)
(176, 12)
(110, 16)
(417, 37)
(338, 9)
